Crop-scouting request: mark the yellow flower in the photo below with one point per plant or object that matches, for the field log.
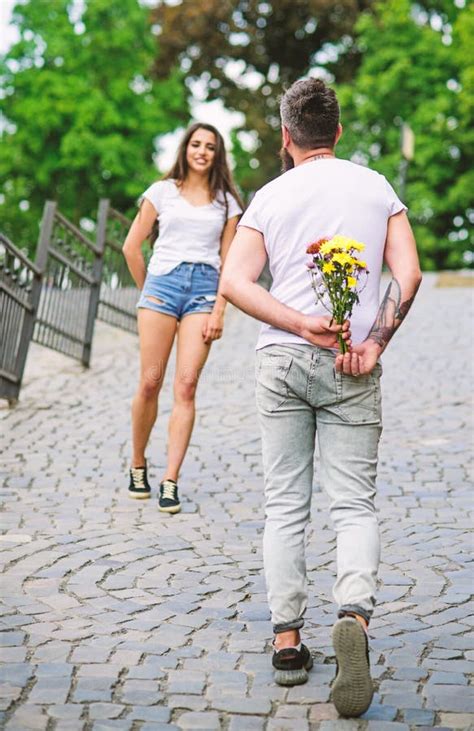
(327, 247)
(343, 258)
(351, 282)
(358, 246)
(342, 242)
(328, 267)
(361, 264)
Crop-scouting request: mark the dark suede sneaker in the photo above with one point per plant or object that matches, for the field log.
(291, 665)
(168, 498)
(352, 689)
(139, 489)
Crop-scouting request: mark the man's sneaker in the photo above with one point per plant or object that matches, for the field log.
(291, 665)
(139, 489)
(168, 499)
(352, 689)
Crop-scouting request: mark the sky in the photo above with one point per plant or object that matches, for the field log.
(211, 112)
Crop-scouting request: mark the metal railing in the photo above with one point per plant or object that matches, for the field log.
(20, 286)
(71, 267)
(118, 292)
(56, 300)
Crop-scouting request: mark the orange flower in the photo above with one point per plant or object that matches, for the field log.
(314, 248)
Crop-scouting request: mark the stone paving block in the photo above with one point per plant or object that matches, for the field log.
(387, 726)
(285, 711)
(287, 724)
(418, 716)
(153, 714)
(54, 669)
(140, 692)
(50, 689)
(11, 639)
(408, 673)
(457, 720)
(29, 717)
(379, 712)
(16, 673)
(247, 723)
(88, 690)
(203, 721)
(440, 678)
(90, 655)
(308, 694)
(322, 712)
(105, 710)
(342, 724)
(186, 681)
(250, 706)
(459, 699)
(66, 711)
(403, 700)
(70, 725)
(187, 702)
(12, 654)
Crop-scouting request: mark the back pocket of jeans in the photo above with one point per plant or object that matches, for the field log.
(358, 398)
(271, 389)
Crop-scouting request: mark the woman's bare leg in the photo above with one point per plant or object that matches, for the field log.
(191, 356)
(156, 332)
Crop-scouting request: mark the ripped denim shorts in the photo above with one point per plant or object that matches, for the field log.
(186, 289)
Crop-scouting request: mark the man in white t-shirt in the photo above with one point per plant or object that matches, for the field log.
(306, 390)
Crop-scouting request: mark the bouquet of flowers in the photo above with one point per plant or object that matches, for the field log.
(337, 276)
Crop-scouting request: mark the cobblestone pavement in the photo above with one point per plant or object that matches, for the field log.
(115, 616)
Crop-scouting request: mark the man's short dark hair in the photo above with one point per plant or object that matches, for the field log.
(310, 112)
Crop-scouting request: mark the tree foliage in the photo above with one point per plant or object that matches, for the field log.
(416, 69)
(80, 111)
(246, 52)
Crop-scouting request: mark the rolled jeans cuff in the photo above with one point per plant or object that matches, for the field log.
(285, 626)
(354, 609)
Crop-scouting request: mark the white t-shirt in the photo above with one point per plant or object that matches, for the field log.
(315, 200)
(187, 233)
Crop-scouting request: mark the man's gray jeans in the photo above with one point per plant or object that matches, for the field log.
(299, 395)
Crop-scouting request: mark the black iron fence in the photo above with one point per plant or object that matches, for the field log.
(71, 267)
(118, 292)
(56, 300)
(20, 286)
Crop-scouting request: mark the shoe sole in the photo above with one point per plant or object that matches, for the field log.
(352, 690)
(139, 496)
(172, 509)
(293, 677)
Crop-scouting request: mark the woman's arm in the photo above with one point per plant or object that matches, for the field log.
(132, 248)
(215, 323)
(227, 236)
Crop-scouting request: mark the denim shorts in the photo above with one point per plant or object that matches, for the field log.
(185, 290)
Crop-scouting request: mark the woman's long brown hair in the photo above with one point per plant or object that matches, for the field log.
(220, 177)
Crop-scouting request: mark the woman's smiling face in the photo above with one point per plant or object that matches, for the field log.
(201, 151)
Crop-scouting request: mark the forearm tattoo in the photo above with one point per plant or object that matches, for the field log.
(391, 314)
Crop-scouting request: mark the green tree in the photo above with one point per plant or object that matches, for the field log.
(246, 52)
(416, 69)
(80, 111)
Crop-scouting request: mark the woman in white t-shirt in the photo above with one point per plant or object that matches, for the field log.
(197, 208)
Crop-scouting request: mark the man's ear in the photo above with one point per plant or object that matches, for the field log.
(285, 136)
(338, 134)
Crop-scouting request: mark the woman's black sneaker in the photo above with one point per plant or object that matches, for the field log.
(291, 665)
(168, 499)
(139, 489)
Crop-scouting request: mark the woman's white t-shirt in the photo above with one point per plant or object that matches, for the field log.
(187, 232)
